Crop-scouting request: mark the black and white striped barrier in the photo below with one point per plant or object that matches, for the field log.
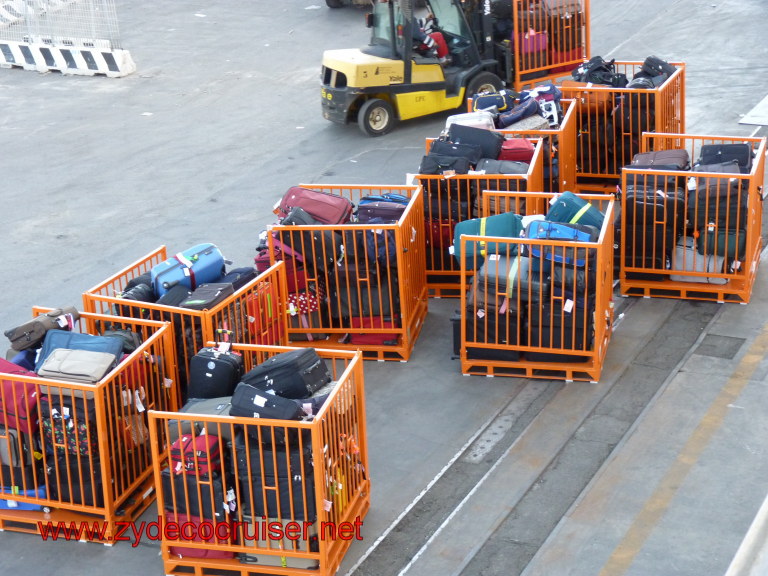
(67, 60)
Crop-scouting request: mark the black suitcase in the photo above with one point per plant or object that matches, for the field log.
(471, 152)
(642, 251)
(492, 327)
(717, 153)
(174, 296)
(213, 373)
(206, 296)
(439, 164)
(551, 326)
(239, 277)
(490, 142)
(720, 201)
(320, 250)
(655, 66)
(448, 205)
(72, 480)
(296, 374)
(645, 206)
(193, 495)
(280, 477)
(253, 402)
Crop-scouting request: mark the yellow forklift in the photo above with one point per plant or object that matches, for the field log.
(491, 45)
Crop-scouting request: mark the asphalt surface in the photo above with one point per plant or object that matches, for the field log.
(470, 475)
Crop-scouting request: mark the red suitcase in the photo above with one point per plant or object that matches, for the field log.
(189, 532)
(198, 456)
(18, 400)
(323, 207)
(517, 150)
(376, 339)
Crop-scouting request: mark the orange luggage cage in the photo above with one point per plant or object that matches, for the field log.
(373, 298)
(548, 46)
(330, 487)
(105, 475)
(611, 122)
(524, 295)
(250, 315)
(733, 283)
(441, 190)
(561, 143)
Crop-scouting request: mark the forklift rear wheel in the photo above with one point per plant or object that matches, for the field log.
(376, 117)
(484, 82)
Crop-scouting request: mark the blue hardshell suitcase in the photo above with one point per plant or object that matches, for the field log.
(200, 264)
(545, 230)
(7, 501)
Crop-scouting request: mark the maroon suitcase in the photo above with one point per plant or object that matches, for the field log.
(18, 400)
(517, 150)
(200, 454)
(378, 339)
(190, 534)
(323, 207)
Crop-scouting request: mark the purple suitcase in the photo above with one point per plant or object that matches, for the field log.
(387, 211)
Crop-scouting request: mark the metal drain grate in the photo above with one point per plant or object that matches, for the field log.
(720, 346)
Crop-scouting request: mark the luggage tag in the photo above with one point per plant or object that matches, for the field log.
(568, 306)
(230, 502)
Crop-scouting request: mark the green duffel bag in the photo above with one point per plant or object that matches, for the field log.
(729, 244)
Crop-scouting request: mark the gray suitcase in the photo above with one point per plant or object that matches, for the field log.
(687, 258)
(206, 407)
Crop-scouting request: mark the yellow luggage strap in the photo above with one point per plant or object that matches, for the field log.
(482, 233)
(512, 276)
(580, 213)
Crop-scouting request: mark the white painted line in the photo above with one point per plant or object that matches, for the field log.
(426, 489)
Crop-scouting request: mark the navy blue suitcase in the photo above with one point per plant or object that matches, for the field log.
(197, 265)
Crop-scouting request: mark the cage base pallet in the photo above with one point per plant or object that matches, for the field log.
(398, 352)
(607, 186)
(29, 521)
(568, 371)
(694, 291)
(227, 567)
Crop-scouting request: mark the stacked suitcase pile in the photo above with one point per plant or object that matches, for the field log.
(469, 146)
(211, 463)
(195, 279)
(613, 122)
(339, 276)
(530, 294)
(693, 222)
(67, 430)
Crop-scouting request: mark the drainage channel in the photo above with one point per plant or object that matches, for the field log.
(392, 553)
(516, 540)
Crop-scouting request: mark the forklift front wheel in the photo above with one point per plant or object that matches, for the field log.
(376, 117)
(484, 82)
